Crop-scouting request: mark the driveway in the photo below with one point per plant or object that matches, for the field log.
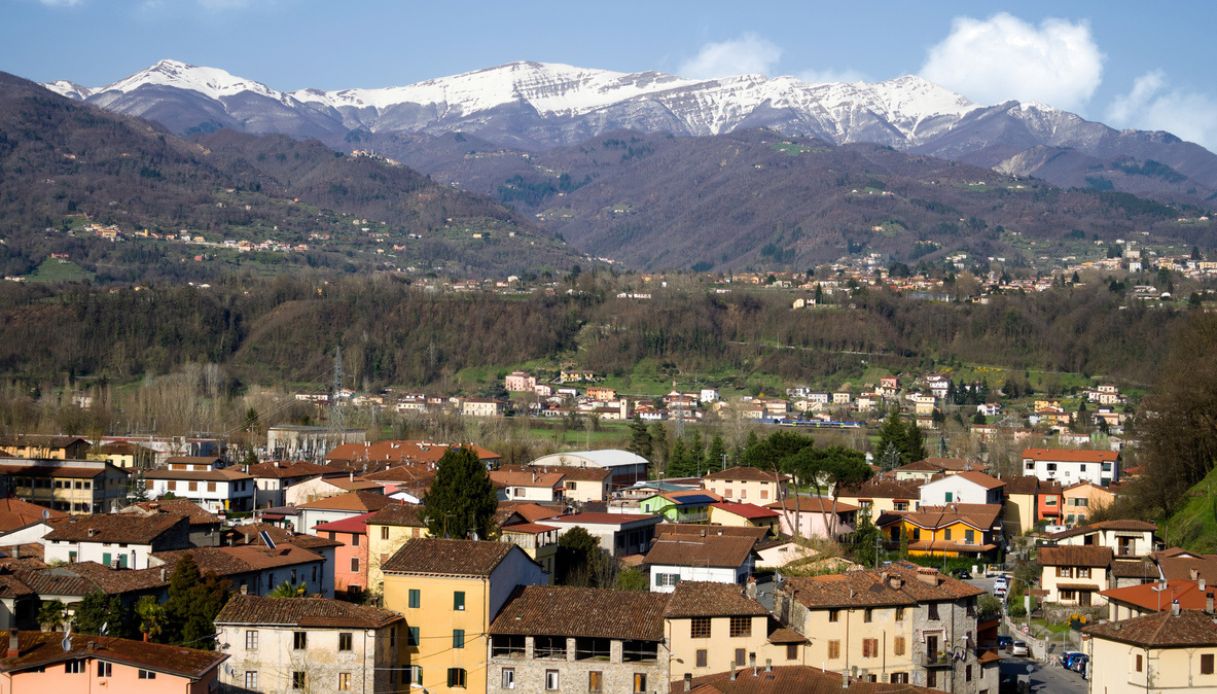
(1048, 680)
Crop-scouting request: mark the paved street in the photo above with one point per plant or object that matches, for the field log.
(1048, 680)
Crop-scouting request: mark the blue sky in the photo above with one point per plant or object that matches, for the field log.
(1114, 62)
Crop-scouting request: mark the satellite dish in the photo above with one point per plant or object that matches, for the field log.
(66, 643)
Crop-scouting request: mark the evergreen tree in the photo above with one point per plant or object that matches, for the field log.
(462, 500)
(716, 452)
(659, 447)
(913, 448)
(580, 561)
(100, 614)
(867, 541)
(194, 601)
(695, 453)
(52, 615)
(640, 438)
(890, 449)
(679, 464)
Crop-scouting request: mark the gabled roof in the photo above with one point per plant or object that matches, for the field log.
(297, 470)
(746, 511)
(39, 649)
(361, 502)
(1067, 455)
(198, 515)
(718, 551)
(398, 514)
(442, 557)
(700, 529)
(979, 516)
(530, 511)
(16, 513)
(1188, 629)
(813, 504)
(899, 584)
(225, 475)
(356, 525)
(880, 488)
(115, 528)
(1030, 484)
(980, 479)
(313, 612)
(1128, 525)
(521, 478)
(593, 518)
(742, 473)
(705, 599)
(228, 561)
(582, 612)
(1075, 555)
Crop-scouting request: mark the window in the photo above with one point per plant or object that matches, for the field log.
(967, 673)
(1067, 594)
(1063, 572)
(147, 675)
(393, 638)
(299, 640)
(104, 669)
(950, 497)
(699, 628)
(1206, 663)
(666, 579)
(384, 535)
(969, 536)
(792, 651)
(211, 486)
(415, 675)
(354, 539)
(727, 492)
(899, 614)
(899, 678)
(931, 678)
(458, 601)
(933, 611)
(870, 648)
(898, 645)
(458, 638)
(834, 615)
(344, 641)
(703, 657)
(1083, 572)
(508, 678)
(868, 615)
(741, 626)
(551, 680)
(640, 682)
(415, 598)
(74, 667)
(456, 677)
(1140, 664)
(412, 638)
(298, 681)
(741, 657)
(946, 534)
(192, 486)
(251, 640)
(344, 681)
(595, 681)
(251, 680)
(834, 650)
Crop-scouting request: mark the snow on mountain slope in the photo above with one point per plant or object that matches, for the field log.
(69, 89)
(208, 81)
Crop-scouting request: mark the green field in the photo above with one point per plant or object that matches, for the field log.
(55, 270)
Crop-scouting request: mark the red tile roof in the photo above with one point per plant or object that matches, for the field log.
(398, 514)
(303, 612)
(1147, 596)
(582, 612)
(1074, 555)
(38, 649)
(437, 556)
(197, 514)
(719, 551)
(15, 513)
(747, 511)
(700, 529)
(704, 599)
(527, 528)
(981, 479)
(356, 525)
(592, 518)
(351, 501)
(1066, 455)
(1188, 629)
(813, 504)
(896, 585)
(116, 527)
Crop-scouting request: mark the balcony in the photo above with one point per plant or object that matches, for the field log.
(936, 660)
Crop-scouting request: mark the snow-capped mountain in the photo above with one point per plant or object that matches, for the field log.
(535, 106)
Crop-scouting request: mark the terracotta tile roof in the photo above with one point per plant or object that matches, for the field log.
(225, 475)
(14, 466)
(1066, 455)
(304, 612)
(582, 612)
(747, 511)
(527, 528)
(398, 514)
(15, 513)
(979, 516)
(281, 471)
(39, 440)
(401, 451)
(351, 501)
(981, 479)
(813, 504)
(789, 679)
(357, 485)
(742, 473)
(448, 557)
(408, 473)
(193, 460)
(705, 599)
(1128, 525)
(38, 649)
(592, 518)
(1147, 596)
(197, 514)
(879, 488)
(664, 529)
(532, 512)
(1204, 566)
(1030, 484)
(783, 635)
(115, 528)
(228, 561)
(1187, 629)
(356, 525)
(249, 532)
(947, 546)
(722, 551)
(1134, 568)
(520, 478)
(1074, 555)
(899, 584)
(117, 581)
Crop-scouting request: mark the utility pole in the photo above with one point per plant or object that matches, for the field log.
(336, 417)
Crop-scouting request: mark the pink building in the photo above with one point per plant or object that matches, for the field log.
(351, 557)
(37, 661)
(815, 516)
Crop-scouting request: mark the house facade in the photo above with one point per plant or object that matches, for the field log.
(968, 487)
(217, 491)
(1068, 466)
(710, 558)
(1074, 575)
(746, 485)
(389, 529)
(1166, 651)
(815, 516)
(72, 486)
(118, 540)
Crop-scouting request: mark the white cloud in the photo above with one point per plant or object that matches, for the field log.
(1152, 104)
(748, 54)
(1002, 58)
(830, 75)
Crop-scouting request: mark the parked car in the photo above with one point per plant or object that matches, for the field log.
(1020, 648)
(1004, 642)
(1069, 659)
(1079, 664)
(962, 574)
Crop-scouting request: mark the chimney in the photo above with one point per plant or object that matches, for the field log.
(768, 664)
(1175, 607)
(1208, 603)
(752, 662)
(734, 674)
(688, 681)
(164, 574)
(1202, 583)
(1193, 574)
(14, 648)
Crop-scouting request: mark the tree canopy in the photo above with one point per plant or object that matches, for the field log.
(462, 501)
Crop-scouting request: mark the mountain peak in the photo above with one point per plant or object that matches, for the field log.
(210, 81)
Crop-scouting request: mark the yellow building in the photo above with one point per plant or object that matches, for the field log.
(1160, 652)
(746, 485)
(449, 592)
(952, 530)
(124, 455)
(41, 447)
(744, 515)
(389, 529)
(1082, 499)
(75, 486)
(879, 496)
(1074, 575)
(711, 627)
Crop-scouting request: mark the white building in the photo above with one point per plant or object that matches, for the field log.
(968, 487)
(119, 540)
(712, 558)
(215, 490)
(627, 468)
(313, 645)
(271, 480)
(1070, 466)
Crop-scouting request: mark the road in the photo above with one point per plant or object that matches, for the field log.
(1048, 680)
